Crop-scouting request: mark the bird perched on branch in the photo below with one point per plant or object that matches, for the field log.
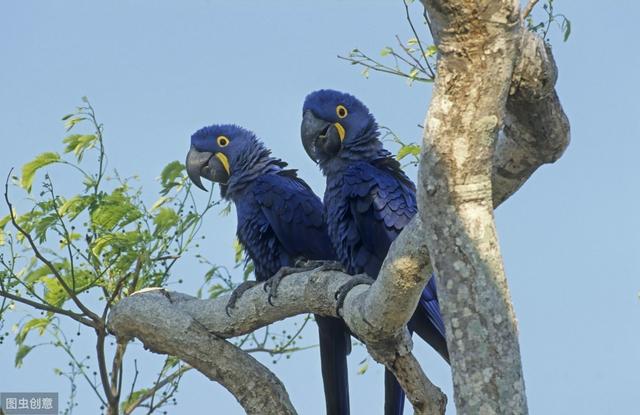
(368, 201)
(280, 221)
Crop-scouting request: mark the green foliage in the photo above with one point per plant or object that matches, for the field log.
(363, 366)
(77, 254)
(98, 241)
(413, 60)
(409, 152)
(79, 143)
(29, 170)
(408, 149)
(35, 323)
(23, 351)
(3, 223)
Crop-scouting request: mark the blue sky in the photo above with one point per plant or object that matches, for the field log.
(158, 71)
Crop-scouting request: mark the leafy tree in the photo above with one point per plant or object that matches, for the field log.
(71, 257)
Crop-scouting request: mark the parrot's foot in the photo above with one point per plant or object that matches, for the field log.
(271, 285)
(360, 279)
(237, 293)
(319, 265)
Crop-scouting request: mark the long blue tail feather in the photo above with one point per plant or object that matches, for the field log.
(335, 345)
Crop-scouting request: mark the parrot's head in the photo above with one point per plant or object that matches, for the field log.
(334, 122)
(221, 151)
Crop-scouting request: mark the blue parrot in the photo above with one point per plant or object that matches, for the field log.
(280, 221)
(368, 201)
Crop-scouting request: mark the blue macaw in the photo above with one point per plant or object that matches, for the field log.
(280, 221)
(368, 201)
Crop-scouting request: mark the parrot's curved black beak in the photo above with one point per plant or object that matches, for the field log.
(214, 167)
(321, 139)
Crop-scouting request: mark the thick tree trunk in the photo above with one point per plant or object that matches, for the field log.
(479, 46)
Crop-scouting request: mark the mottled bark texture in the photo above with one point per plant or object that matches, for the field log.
(466, 170)
(492, 74)
(194, 330)
(166, 328)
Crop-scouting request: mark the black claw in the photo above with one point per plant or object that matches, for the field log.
(308, 265)
(332, 266)
(272, 284)
(342, 292)
(237, 293)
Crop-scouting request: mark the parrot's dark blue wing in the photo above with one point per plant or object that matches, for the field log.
(296, 215)
(382, 202)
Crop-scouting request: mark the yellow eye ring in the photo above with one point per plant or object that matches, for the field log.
(222, 141)
(341, 111)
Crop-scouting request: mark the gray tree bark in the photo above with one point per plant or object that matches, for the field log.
(492, 75)
(480, 44)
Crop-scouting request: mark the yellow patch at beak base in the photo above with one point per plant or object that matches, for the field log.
(225, 162)
(341, 131)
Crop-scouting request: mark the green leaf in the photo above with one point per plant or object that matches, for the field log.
(238, 250)
(118, 242)
(3, 223)
(74, 206)
(132, 398)
(165, 219)
(73, 236)
(431, 50)
(226, 210)
(171, 176)
(216, 289)
(386, 51)
(54, 294)
(114, 210)
(44, 225)
(22, 352)
(363, 368)
(79, 143)
(566, 28)
(36, 275)
(412, 42)
(159, 203)
(71, 122)
(29, 170)
(408, 149)
(35, 323)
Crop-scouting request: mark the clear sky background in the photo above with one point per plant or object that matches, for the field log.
(156, 71)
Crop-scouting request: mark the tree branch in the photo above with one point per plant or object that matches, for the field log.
(529, 7)
(536, 129)
(164, 325)
(49, 308)
(306, 292)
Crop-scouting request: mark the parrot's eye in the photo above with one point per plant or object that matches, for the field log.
(341, 111)
(222, 141)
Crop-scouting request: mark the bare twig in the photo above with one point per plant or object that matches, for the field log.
(432, 73)
(156, 387)
(529, 7)
(80, 318)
